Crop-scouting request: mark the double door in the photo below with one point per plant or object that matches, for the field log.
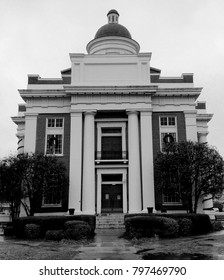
(112, 198)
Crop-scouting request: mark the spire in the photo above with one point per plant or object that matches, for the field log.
(113, 16)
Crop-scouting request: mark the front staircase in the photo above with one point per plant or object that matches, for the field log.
(110, 221)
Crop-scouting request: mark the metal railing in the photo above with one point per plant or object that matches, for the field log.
(111, 155)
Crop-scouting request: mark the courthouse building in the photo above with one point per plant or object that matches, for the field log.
(106, 118)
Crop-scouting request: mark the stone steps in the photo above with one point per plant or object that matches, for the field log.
(110, 221)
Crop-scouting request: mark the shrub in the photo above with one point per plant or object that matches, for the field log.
(77, 231)
(50, 223)
(151, 225)
(185, 226)
(55, 235)
(217, 225)
(32, 231)
(9, 231)
(201, 223)
(73, 224)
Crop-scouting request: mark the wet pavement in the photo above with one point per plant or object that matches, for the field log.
(110, 245)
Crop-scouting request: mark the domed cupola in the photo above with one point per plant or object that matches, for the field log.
(113, 38)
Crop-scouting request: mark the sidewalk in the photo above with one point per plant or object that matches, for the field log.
(107, 245)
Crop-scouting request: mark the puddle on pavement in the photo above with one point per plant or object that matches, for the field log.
(172, 256)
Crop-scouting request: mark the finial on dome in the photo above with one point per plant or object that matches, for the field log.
(112, 16)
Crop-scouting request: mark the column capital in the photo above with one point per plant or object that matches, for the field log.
(190, 112)
(204, 133)
(90, 112)
(31, 115)
(130, 111)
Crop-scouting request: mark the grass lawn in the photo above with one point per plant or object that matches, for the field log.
(12, 249)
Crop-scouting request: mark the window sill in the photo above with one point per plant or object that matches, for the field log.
(51, 206)
(98, 161)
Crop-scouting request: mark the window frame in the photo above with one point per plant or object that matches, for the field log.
(167, 129)
(54, 131)
(100, 134)
(175, 202)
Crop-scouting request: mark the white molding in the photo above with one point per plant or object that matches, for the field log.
(121, 125)
(114, 170)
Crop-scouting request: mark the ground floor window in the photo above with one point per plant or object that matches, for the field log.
(54, 144)
(52, 198)
(171, 199)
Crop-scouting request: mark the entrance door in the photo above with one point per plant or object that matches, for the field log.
(112, 198)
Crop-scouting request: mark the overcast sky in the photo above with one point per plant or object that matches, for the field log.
(184, 36)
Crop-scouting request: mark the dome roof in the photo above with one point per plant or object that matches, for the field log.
(112, 29)
(113, 12)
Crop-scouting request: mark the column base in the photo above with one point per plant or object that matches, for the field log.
(88, 213)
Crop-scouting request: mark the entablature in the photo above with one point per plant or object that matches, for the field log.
(102, 90)
(179, 91)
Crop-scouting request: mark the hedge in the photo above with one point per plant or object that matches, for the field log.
(55, 235)
(200, 223)
(50, 223)
(32, 231)
(77, 230)
(149, 226)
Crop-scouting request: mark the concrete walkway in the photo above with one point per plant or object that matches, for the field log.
(107, 245)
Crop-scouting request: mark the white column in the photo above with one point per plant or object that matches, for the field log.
(89, 164)
(31, 130)
(202, 137)
(134, 178)
(147, 160)
(75, 173)
(191, 126)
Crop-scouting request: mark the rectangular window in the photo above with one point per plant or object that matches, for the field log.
(111, 141)
(52, 199)
(167, 121)
(168, 131)
(51, 123)
(171, 120)
(163, 120)
(165, 139)
(55, 122)
(54, 144)
(54, 136)
(171, 199)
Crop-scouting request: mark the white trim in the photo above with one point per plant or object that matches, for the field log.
(54, 131)
(167, 128)
(122, 171)
(121, 125)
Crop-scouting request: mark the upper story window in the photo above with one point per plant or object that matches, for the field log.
(55, 122)
(168, 131)
(167, 121)
(111, 141)
(54, 136)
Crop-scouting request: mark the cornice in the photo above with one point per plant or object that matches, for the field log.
(204, 117)
(179, 91)
(18, 119)
(35, 93)
(99, 90)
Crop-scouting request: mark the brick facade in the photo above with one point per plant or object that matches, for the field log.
(40, 148)
(181, 132)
